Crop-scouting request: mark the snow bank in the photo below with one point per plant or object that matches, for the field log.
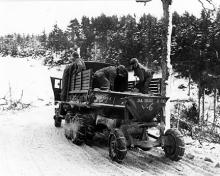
(27, 75)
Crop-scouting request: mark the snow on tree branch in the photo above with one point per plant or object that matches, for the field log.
(204, 6)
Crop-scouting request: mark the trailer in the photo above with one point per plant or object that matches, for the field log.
(125, 118)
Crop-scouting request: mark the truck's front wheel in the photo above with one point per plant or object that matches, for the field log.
(174, 146)
(117, 145)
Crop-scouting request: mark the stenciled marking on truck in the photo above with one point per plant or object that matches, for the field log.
(109, 99)
(142, 100)
(150, 100)
(147, 106)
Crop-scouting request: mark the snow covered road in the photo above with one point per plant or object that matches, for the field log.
(30, 145)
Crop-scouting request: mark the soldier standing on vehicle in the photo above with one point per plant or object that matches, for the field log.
(145, 75)
(75, 67)
(107, 78)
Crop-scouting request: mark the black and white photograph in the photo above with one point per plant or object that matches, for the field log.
(109, 87)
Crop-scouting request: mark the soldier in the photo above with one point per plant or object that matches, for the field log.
(75, 67)
(111, 78)
(145, 75)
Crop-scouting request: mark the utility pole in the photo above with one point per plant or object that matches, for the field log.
(165, 61)
(95, 47)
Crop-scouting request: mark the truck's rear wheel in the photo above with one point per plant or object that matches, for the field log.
(117, 145)
(174, 146)
(77, 130)
(57, 121)
(67, 131)
(89, 122)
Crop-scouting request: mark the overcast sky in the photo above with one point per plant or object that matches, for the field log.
(19, 16)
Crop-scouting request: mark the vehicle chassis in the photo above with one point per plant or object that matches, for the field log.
(125, 119)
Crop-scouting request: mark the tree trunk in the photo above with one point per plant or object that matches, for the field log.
(214, 119)
(165, 61)
(189, 85)
(199, 96)
(203, 104)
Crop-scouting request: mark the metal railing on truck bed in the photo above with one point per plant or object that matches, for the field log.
(155, 86)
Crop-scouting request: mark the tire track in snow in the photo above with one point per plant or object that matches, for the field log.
(31, 145)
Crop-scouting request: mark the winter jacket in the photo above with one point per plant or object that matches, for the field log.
(105, 78)
(77, 66)
(145, 75)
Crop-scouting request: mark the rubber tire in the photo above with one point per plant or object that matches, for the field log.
(66, 134)
(57, 122)
(80, 133)
(175, 150)
(67, 121)
(117, 145)
(89, 123)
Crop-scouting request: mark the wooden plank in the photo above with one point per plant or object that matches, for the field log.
(83, 82)
(77, 77)
(153, 84)
(155, 81)
(77, 85)
(153, 87)
(85, 85)
(85, 88)
(86, 73)
(77, 88)
(78, 91)
(86, 81)
(74, 77)
(85, 76)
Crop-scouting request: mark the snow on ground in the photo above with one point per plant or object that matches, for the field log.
(30, 144)
(29, 76)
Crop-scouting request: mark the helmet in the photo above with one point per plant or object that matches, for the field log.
(133, 61)
(121, 67)
(75, 55)
(122, 70)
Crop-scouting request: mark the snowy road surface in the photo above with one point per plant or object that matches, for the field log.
(30, 145)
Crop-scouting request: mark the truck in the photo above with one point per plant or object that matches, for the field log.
(127, 119)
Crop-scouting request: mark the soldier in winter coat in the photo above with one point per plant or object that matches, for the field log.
(111, 78)
(75, 67)
(145, 75)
